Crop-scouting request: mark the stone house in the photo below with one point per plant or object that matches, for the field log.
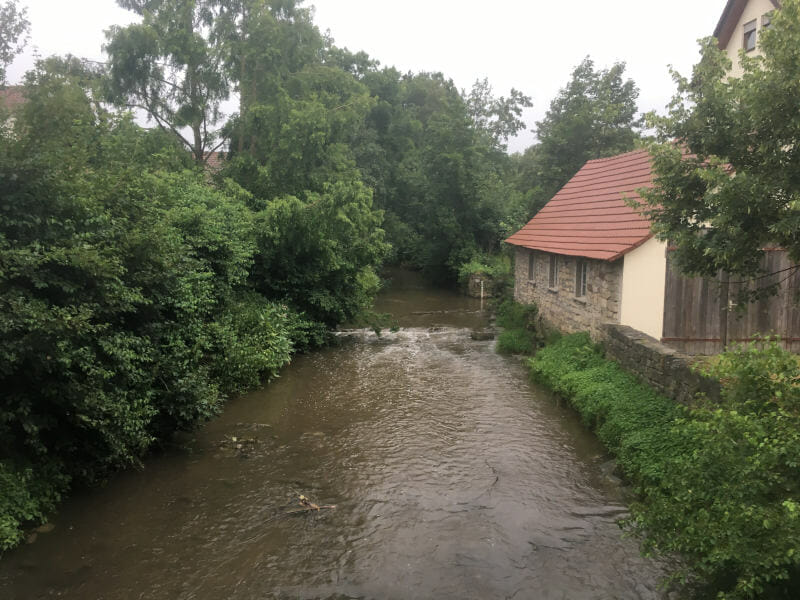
(588, 258)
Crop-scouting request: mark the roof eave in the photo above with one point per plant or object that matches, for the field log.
(613, 258)
(730, 16)
(633, 247)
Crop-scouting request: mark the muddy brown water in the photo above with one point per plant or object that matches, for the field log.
(452, 476)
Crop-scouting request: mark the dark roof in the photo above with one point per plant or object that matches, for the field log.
(730, 17)
(588, 217)
(12, 97)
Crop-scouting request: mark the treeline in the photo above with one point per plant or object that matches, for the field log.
(143, 282)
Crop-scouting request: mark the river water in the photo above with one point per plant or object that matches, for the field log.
(452, 476)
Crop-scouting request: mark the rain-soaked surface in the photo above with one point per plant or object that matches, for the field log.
(452, 477)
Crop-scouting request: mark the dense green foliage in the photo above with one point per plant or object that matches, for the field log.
(719, 484)
(436, 159)
(521, 334)
(498, 269)
(136, 297)
(729, 186)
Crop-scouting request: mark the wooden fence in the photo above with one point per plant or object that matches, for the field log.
(701, 316)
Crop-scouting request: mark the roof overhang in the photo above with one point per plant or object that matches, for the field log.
(730, 17)
(603, 256)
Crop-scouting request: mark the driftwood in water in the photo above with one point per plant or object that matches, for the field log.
(309, 506)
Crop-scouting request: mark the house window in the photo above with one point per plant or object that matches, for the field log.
(766, 20)
(531, 267)
(750, 36)
(553, 271)
(580, 279)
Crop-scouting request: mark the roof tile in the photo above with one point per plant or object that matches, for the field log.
(589, 217)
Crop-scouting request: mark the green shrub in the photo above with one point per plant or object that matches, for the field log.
(28, 495)
(512, 315)
(520, 335)
(718, 485)
(515, 341)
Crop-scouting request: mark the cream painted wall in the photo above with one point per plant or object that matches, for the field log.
(755, 9)
(644, 278)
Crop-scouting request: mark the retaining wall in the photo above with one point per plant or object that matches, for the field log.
(660, 366)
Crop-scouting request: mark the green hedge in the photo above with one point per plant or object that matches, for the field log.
(718, 484)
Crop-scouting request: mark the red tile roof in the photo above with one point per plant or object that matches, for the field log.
(12, 98)
(588, 217)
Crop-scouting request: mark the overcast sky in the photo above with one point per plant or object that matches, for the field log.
(526, 44)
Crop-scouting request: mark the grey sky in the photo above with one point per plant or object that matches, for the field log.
(530, 45)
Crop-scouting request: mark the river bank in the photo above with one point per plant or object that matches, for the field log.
(452, 476)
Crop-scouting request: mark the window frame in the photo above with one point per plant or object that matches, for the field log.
(750, 34)
(553, 279)
(531, 266)
(581, 275)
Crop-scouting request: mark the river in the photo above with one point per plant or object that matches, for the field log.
(451, 474)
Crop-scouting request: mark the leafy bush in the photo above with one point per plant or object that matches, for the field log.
(515, 341)
(719, 484)
(319, 254)
(124, 305)
(28, 496)
(512, 315)
(520, 335)
(496, 266)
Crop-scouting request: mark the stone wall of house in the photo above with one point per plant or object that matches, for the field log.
(559, 307)
(660, 366)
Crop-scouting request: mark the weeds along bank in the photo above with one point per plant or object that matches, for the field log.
(718, 484)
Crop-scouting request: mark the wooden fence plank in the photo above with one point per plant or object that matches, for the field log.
(701, 314)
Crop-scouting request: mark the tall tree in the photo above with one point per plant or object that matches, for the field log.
(500, 118)
(728, 161)
(14, 30)
(169, 67)
(594, 116)
(263, 42)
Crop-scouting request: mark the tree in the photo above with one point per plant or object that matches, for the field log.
(436, 160)
(728, 159)
(263, 42)
(594, 116)
(498, 117)
(168, 66)
(14, 30)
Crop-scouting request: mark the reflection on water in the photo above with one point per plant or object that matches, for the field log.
(452, 476)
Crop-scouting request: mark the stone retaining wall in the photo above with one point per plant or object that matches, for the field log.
(660, 366)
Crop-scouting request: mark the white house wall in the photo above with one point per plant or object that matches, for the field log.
(643, 285)
(754, 10)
